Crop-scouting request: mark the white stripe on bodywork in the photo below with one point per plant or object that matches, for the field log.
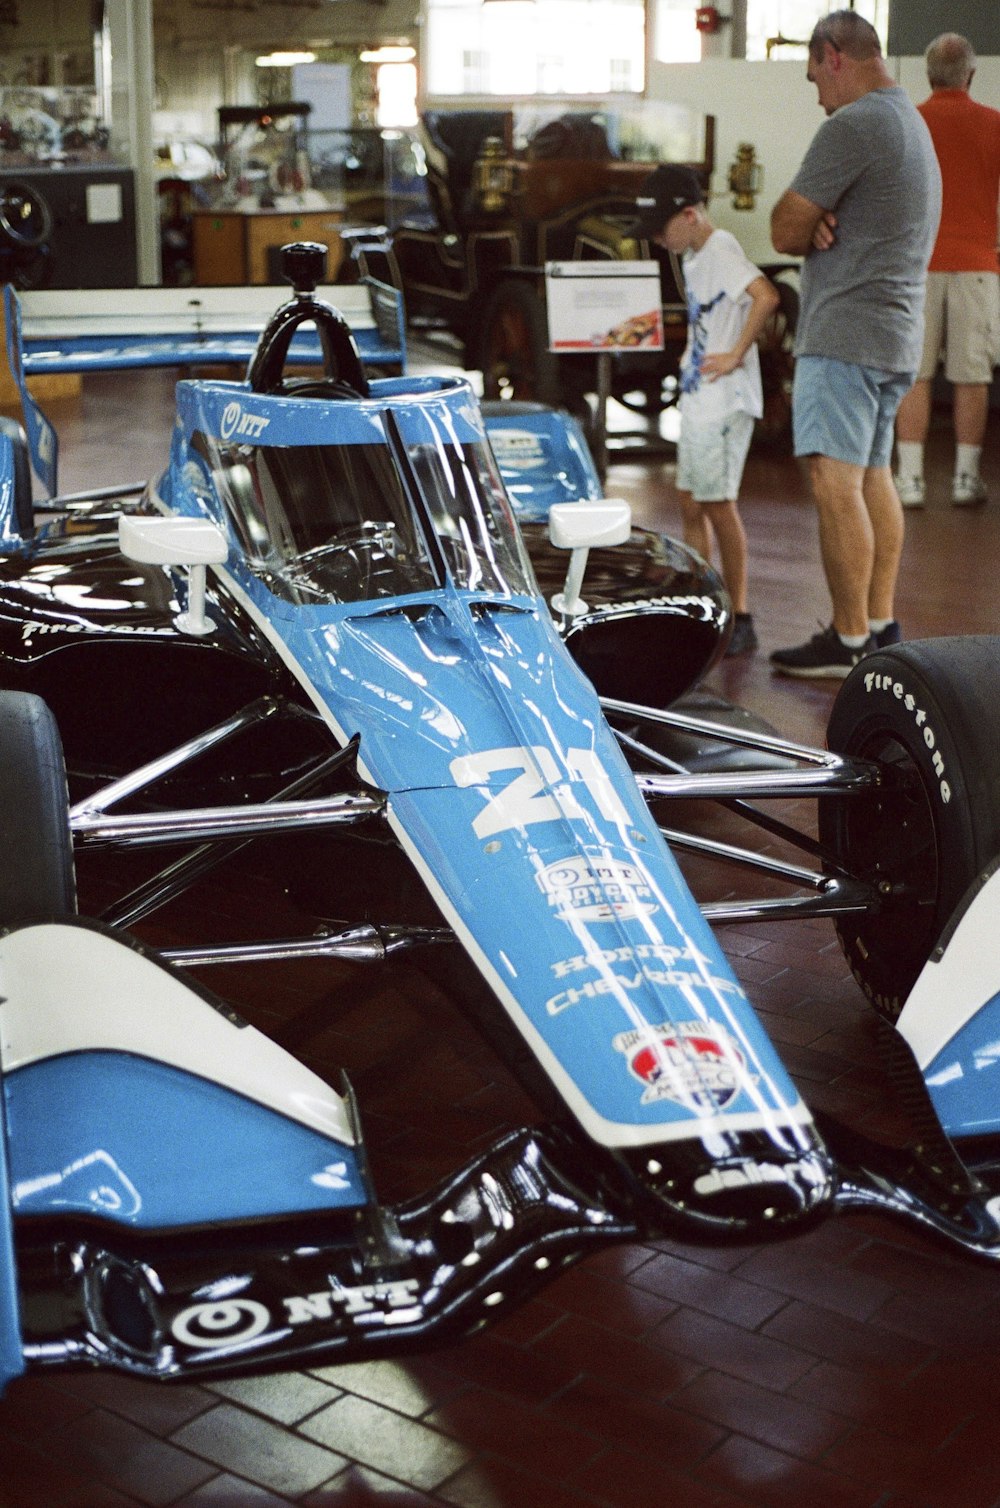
(68, 989)
(949, 991)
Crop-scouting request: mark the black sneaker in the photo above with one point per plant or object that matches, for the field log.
(744, 636)
(891, 634)
(825, 655)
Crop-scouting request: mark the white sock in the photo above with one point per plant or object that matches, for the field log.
(910, 454)
(967, 460)
(852, 641)
(876, 625)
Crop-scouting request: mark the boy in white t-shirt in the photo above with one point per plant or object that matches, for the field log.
(729, 302)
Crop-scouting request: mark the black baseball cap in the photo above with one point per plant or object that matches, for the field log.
(667, 190)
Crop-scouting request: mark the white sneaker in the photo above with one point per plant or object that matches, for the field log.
(911, 491)
(968, 491)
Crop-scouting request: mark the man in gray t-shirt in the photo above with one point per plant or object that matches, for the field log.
(863, 211)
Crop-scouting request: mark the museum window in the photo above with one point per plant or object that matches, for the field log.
(775, 29)
(526, 47)
(396, 84)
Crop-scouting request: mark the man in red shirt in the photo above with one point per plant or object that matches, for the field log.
(963, 288)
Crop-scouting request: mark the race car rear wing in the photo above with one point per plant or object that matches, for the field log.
(53, 330)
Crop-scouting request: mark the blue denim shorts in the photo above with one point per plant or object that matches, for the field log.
(844, 411)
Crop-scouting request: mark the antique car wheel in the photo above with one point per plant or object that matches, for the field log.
(777, 367)
(28, 269)
(929, 714)
(513, 350)
(36, 876)
(25, 218)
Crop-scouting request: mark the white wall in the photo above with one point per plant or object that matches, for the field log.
(773, 106)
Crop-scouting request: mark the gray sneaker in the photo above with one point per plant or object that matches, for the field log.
(826, 655)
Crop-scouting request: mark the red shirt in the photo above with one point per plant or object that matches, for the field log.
(966, 139)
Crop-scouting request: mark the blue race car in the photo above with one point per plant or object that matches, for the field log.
(321, 627)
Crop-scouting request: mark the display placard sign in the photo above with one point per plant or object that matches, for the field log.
(604, 306)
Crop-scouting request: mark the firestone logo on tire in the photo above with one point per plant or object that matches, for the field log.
(877, 681)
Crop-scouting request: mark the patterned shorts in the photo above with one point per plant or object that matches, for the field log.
(711, 456)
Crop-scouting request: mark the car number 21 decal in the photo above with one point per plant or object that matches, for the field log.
(539, 792)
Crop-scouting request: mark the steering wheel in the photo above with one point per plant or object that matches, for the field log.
(25, 218)
(303, 264)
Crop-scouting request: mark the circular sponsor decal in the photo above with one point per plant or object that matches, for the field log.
(231, 415)
(592, 889)
(225, 1323)
(691, 1067)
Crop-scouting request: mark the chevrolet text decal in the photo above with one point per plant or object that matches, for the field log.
(653, 963)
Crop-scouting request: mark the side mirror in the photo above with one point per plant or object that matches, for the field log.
(192, 542)
(579, 527)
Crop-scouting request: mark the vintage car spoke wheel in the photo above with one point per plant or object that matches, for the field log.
(929, 714)
(777, 368)
(25, 218)
(36, 870)
(513, 355)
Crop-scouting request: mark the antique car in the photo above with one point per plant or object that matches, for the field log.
(507, 195)
(320, 629)
(508, 191)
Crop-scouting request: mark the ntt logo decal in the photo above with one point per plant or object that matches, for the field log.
(235, 423)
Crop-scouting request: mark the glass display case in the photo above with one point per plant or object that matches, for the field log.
(50, 127)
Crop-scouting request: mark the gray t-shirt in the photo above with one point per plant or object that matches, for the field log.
(872, 163)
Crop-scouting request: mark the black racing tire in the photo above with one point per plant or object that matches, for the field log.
(37, 880)
(928, 713)
(513, 346)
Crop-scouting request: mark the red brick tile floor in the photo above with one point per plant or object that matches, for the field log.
(854, 1366)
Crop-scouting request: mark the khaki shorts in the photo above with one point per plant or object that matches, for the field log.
(962, 316)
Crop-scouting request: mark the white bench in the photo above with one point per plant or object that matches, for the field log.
(108, 329)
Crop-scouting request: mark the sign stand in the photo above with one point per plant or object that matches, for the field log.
(601, 418)
(603, 307)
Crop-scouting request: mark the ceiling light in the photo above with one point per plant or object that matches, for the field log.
(388, 54)
(284, 59)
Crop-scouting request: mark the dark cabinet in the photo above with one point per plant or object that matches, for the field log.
(92, 241)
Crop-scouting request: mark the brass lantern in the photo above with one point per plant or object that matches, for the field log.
(493, 177)
(745, 177)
